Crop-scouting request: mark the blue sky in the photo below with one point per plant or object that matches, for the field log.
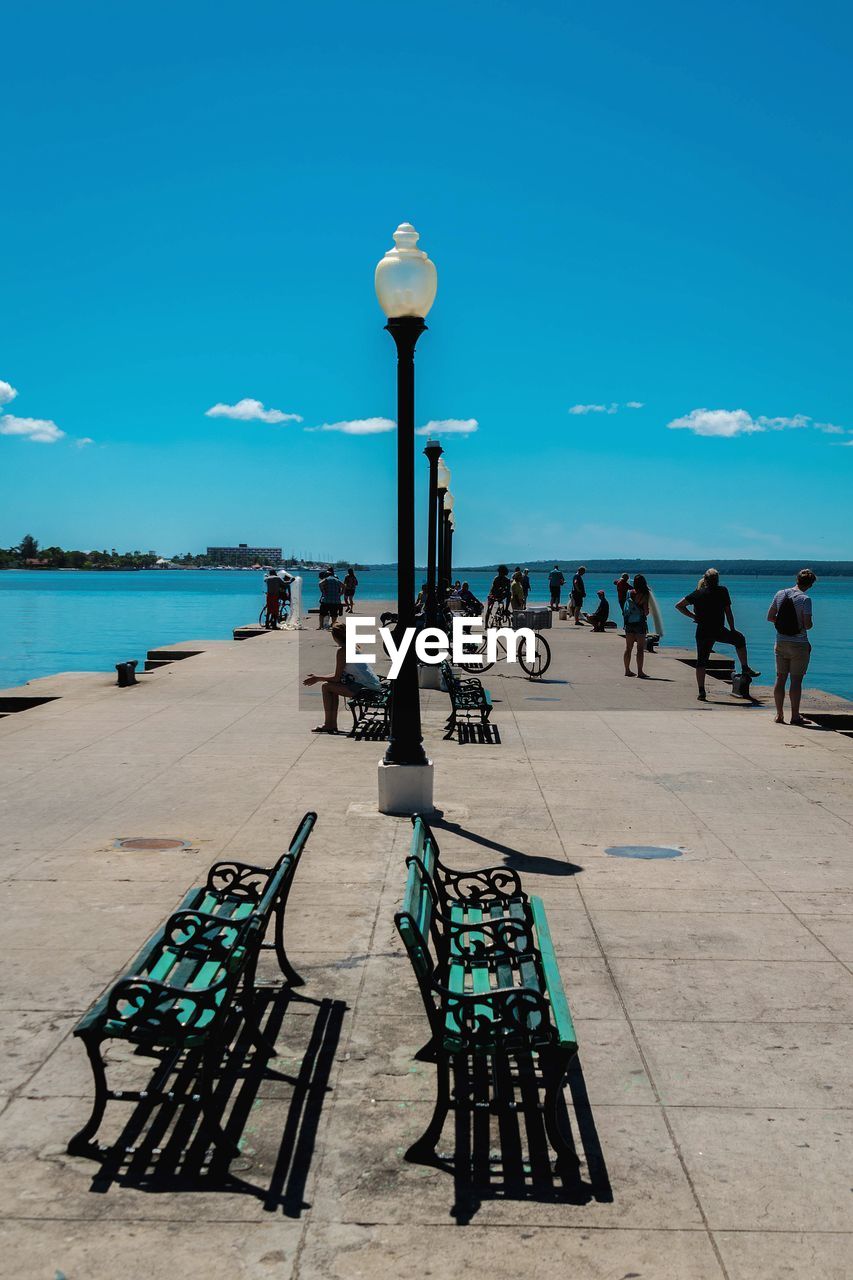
(625, 203)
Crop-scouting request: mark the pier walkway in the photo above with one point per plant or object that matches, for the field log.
(713, 991)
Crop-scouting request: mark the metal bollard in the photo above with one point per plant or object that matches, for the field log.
(126, 673)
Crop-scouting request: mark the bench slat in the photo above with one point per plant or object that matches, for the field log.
(560, 1012)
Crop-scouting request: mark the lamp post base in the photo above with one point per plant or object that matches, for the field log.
(405, 789)
(429, 677)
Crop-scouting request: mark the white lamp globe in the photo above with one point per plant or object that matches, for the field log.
(443, 474)
(448, 502)
(406, 280)
(452, 522)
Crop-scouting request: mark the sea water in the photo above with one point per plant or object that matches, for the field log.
(64, 620)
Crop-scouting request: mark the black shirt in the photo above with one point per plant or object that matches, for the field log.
(710, 605)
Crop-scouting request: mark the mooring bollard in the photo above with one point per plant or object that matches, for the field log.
(126, 673)
(740, 685)
(652, 642)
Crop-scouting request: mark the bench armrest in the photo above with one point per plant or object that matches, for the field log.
(507, 938)
(236, 878)
(216, 937)
(138, 1003)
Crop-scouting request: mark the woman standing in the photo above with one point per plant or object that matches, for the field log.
(350, 584)
(635, 614)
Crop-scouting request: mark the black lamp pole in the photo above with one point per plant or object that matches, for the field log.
(433, 452)
(449, 553)
(405, 745)
(441, 529)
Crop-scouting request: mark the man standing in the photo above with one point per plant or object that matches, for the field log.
(578, 594)
(622, 586)
(331, 590)
(555, 582)
(525, 582)
(791, 614)
(712, 609)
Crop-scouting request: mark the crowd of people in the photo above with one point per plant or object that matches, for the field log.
(709, 606)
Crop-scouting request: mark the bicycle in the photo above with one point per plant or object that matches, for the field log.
(284, 611)
(534, 668)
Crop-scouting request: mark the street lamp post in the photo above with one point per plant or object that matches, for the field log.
(433, 452)
(448, 542)
(443, 484)
(406, 284)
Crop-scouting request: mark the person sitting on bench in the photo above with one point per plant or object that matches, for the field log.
(598, 619)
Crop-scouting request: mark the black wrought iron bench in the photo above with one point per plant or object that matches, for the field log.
(190, 977)
(467, 697)
(371, 710)
(485, 965)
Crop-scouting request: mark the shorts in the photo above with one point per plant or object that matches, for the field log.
(792, 657)
(636, 628)
(705, 641)
(332, 611)
(349, 680)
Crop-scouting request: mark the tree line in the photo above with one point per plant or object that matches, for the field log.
(29, 555)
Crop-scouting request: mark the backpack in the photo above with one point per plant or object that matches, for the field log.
(787, 622)
(632, 613)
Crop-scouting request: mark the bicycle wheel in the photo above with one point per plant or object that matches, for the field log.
(541, 661)
(262, 617)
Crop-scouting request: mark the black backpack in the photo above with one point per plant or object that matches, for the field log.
(787, 621)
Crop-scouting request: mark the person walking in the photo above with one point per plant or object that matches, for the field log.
(635, 612)
(711, 610)
(555, 584)
(791, 615)
(350, 584)
(578, 594)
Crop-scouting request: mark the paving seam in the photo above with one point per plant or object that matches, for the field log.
(321, 1147)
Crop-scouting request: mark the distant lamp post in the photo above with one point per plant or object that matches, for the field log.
(443, 484)
(448, 541)
(406, 283)
(433, 452)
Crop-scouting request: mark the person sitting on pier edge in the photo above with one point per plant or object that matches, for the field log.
(346, 679)
(473, 606)
(597, 619)
(555, 583)
(331, 590)
(712, 609)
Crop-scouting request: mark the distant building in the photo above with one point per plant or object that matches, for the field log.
(244, 556)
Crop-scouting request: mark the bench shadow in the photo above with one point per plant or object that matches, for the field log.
(516, 859)
(162, 1149)
(467, 732)
(501, 1150)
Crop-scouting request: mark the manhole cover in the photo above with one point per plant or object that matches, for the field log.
(646, 852)
(155, 843)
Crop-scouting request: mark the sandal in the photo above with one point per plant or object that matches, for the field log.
(321, 728)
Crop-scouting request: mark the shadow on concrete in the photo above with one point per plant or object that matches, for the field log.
(516, 859)
(467, 733)
(162, 1149)
(501, 1150)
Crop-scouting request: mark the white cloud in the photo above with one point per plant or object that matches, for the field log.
(7, 392)
(634, 404)
(726, 423)
(250, 411)
(39, 430)
(449, 427)
(593, 408)
(358, 426)
(83, 442)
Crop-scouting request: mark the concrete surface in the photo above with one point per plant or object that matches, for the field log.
(713, 992)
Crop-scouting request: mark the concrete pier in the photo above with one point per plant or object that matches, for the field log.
(712, 991)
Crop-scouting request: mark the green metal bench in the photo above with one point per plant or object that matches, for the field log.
(485, 965)
(467, 697)
(179, 992)
(371, 709)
